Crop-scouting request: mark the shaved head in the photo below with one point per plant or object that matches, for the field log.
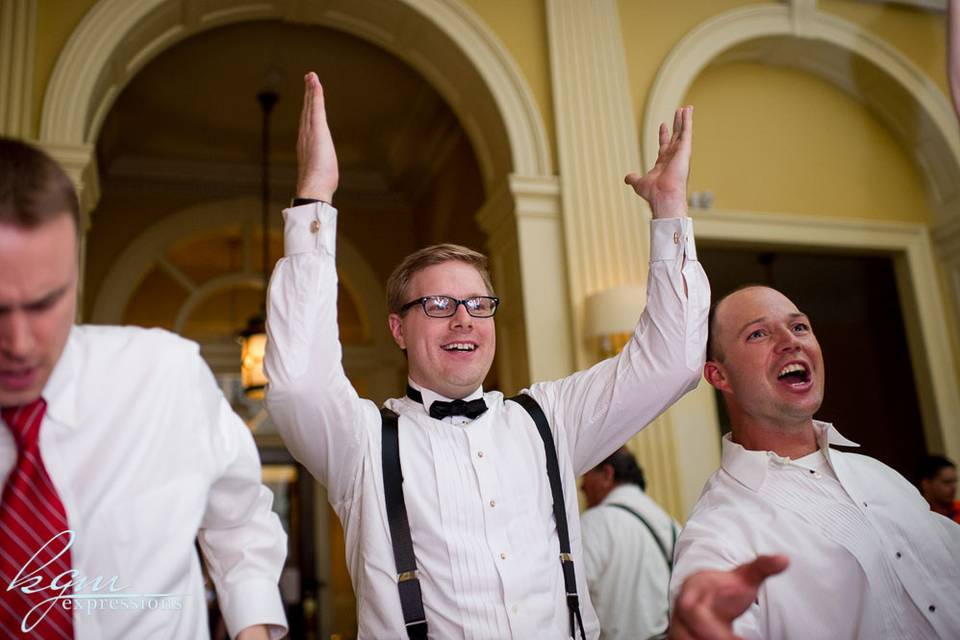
(764, 358)
(714, 352)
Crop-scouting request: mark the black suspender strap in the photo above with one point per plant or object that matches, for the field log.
(408, 582)
(668, 557)
(559, 509)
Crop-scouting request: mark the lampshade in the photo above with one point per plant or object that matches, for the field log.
(615, 310)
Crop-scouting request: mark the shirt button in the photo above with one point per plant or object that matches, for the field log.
(315, 226)
(493, 503)
(899, 555)
(932, 608)
(479, 454)
(503, 556)
(676, 237)
(864, 505)
(515, 608)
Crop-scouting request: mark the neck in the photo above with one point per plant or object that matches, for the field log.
(793, 440)
(451, 394)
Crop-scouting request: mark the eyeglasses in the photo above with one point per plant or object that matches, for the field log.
(446, 306)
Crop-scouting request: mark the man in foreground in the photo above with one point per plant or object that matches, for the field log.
(628, 544)
(867, 559)
(117, 453)
(485, 527)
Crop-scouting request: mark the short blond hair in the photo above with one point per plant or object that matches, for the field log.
(398, 284)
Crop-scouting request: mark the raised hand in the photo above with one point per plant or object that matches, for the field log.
(664, 187)
(318, 174)
(709, 601)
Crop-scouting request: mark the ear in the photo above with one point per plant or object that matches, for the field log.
(607, 472)
(396, 329)
(715, 375)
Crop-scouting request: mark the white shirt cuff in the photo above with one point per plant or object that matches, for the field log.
(252, 602)
(310, 228)
(671, 238)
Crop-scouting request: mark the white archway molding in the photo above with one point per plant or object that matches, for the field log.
(442, 39)
(148, 249)
(212, 287)
(874, 72)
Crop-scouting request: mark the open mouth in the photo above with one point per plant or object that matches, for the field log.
(794, 374)
(462, 347)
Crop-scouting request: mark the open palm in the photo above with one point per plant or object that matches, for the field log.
(709, 601)
(316, 156)
(664, 187)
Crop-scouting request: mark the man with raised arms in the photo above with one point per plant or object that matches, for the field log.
(486, 539)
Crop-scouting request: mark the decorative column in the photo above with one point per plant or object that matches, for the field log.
(605, 223)
(80, 163)
(525, 243)
(18, 20)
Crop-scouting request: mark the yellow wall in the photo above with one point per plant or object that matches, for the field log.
(521, 26)
(773, 139)
(652, 29)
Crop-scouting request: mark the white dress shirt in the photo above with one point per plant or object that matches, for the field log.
(868, 559)
(477, 495)
(147, 456)
(625, 569)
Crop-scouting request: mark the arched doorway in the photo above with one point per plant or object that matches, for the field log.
(445, 43)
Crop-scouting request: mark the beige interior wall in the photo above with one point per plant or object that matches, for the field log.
(521, 27)
(651, 29)
(774, 139)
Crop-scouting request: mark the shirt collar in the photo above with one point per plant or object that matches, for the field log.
(429, 397)
(60, 391)
(621, 492)
(749, 468)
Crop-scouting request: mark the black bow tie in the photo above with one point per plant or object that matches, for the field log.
(441, 409)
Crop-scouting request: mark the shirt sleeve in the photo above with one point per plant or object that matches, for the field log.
(309, 397)
(603, 406)
(703, 546)
(242, 540)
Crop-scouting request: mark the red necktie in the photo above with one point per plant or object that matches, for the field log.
(31, 515)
